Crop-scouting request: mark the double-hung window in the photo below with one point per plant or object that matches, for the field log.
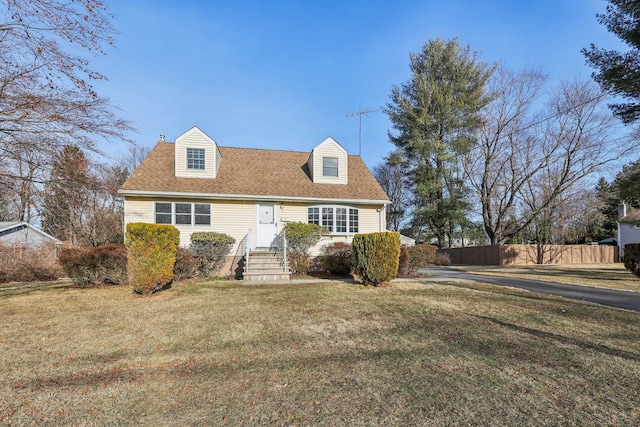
(330, 166)
(183, 213)
(163, 213)
(195, 158)
(336, 219)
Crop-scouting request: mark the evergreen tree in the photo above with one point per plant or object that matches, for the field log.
(65, 200)
(619, 72)
(436, 115)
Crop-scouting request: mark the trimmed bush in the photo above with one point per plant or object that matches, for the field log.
(376, 256)
(421, 256)
(300, 238)
(186, 266)
(631, 258)
(337, 258)
(21, 263)
(210, 249)
(105, 264)
(403, 261)
(152, 254)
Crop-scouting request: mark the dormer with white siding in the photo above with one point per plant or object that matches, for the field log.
(196, 155)
(328, 163)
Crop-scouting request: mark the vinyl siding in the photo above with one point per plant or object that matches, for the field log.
(369, 219)
(628, 234)
(230, 217)
(329, 148)
(195, 138)
(235, 218)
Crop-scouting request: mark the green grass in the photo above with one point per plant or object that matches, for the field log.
(613, 276)
(219, 353)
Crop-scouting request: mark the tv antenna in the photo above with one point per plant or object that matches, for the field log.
(364, 112)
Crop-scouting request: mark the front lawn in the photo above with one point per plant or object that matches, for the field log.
(221, 353)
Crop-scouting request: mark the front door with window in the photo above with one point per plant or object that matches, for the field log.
(267, 229)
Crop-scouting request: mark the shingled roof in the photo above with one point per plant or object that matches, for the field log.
(632, 217)
(251, 172)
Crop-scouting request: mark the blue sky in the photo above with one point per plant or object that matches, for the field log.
(285, 74)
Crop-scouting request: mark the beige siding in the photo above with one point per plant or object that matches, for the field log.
(329, 148)
(235, 218)
(195, 138)
(369, 218)
(232, 218)
(138, 210)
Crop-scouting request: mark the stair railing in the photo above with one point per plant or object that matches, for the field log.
(247, 251)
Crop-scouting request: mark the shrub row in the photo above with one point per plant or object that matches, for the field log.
(106, 264)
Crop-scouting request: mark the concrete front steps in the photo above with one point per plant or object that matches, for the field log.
(264, 266)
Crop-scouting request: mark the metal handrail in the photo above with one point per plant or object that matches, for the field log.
(281, 250)
(247, 251)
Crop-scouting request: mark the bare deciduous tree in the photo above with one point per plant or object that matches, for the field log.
(46, 97)
(392, 179)
(525, 162)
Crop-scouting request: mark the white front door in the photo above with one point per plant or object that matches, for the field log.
(267, 228)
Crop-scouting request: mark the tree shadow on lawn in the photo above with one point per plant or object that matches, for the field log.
(562, 339)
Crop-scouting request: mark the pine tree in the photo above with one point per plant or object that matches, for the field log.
(619, 72)
(436, 115)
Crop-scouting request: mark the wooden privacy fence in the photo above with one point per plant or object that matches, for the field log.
(532, 254)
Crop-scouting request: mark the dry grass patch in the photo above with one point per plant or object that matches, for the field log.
(613, 276)
(331, 354)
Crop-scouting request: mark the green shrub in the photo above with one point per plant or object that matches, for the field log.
(152, 254)
(376, 256)
(186, 266)
(631, 258)
(105, 264)
(421, 256)
(211, 249)
(337, 258)
(403, 261)
(300, 238)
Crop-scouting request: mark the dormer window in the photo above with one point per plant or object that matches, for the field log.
(195, 158)
(330, 166)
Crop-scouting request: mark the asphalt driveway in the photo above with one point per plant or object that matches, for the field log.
(609, 297)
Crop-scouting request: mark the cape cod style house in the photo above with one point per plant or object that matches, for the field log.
(249, 194)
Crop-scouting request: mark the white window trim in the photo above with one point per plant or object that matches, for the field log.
(173, 214)
(349, 232)
(204, 159)
(337, 168)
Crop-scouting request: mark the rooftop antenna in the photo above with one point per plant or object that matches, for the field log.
(364, 112)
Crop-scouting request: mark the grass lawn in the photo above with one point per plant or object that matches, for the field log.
(613, 276)
(330, 354)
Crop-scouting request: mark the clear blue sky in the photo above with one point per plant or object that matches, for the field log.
(285, 74)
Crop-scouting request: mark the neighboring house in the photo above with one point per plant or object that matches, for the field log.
(628, 227)
(22, 233)
(250, 194)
